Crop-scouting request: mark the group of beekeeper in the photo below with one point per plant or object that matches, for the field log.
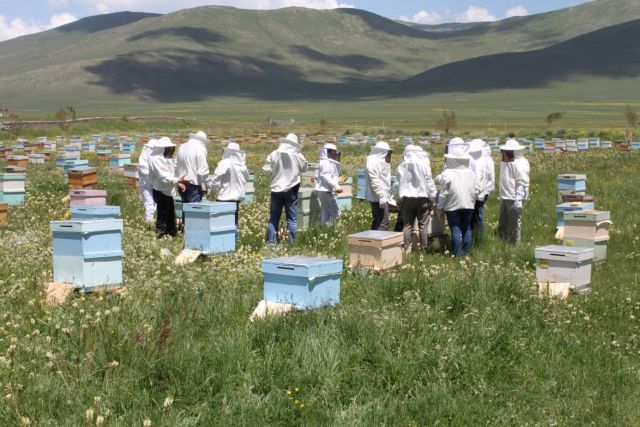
(163, 178)
(459, 193)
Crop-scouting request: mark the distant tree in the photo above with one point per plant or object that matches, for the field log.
(448, 121)
(631, 117)
(553, 117)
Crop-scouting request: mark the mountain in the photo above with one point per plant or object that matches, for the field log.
(610, 52)
(286, 54)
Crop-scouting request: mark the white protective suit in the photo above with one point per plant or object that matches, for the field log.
(162, 172)
(483, 177)
(457, 187)
(459, 146)
(414, 174)
(230, 176)
(327, 185)
(284, 166)
(378, 175)
(487, 160)
(514, 180)
(328, 173)
(144, 182)
(192, 161)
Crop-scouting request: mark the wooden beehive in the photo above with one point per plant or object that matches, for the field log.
(4, 214)
(83, 177)
(379, 250)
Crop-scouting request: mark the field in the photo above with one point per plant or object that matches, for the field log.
(436, 341)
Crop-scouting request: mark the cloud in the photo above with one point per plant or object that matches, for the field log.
(516, 11)
(424, 17)
(476, 14)
(163, 6)
(57, 4)
(19, 27)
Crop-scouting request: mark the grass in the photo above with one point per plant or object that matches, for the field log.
(436, 341)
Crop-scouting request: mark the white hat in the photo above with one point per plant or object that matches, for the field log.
(412, 147)
(151, 143)
(292, 138)
(330, 146)
(200, 136)
(512, 145)
(475, 146)
(456, 141)
(234, 146)
(381, 145)
(164, 142)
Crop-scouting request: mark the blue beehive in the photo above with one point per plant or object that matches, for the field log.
(83, 213)
(96, 139)
(345, 203)
(571, 207)
(12, 188)
(635, 145)
(573, 182)
(210, 227)
(128, 147)
(89, 146)
(305, 282)
(362, 185)
(117, 161)
(539, 143)
(88, 254)
(177, 207)
(103, 149)
(249, 190)
(594, 142)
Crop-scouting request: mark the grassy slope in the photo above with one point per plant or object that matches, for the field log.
(195, 54)
(438, 340)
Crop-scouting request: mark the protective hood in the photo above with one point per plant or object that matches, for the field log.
(324, 156)
(457, 161)
(457, 146)
(486, 151)
(237, 157)
(415, 154)
(379, 151)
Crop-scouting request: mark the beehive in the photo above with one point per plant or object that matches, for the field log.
(64, 157)
(379, 250)
(308, 208)
(210, 227)
(594, 142)
(345, 203)
(361, 189)
(249, 190)
(310, 176)
(12, 188)
(563, 208)
(103, 151)
(89, 147)
(565, 264)
(305, 282)
(572, 182)
(18, 161)
(568, 196)
(36, 158)
(599, 246)
(117, 161)
(82, 177)
(88, 197)
(591, 225)
(88, 254)
(73, 164)
(83, 213)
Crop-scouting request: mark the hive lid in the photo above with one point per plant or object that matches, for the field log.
(374, 235)
(572, 177)
(88, 226)
(589, 216)
(209, 207)
(568, 253)
(306, 266)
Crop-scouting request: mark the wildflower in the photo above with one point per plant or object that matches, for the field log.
(146, 423)
(99, 420)
(113, 364)
(89, 415)
(25, 421)
(168, 401)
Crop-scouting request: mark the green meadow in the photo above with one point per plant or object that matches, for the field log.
(435, 341)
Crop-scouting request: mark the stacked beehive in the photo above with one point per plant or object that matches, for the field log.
(572, 192)
(103, 151)
(12, 188)
(131, 174)
(565, 265)
(88, 197)
(88, 254)
(345, 198)
(249, 190)
(210, 227)
(379, 250)
(72, 164)
(362, 185)
(589, 229)
(310, 176)
(117, 161)
(83, 213)
(82, 177)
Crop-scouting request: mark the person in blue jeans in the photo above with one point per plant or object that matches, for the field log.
(284, 166)
(457, 197)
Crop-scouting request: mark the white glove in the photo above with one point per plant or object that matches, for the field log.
(518, 205)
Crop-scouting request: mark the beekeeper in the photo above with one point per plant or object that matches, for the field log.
(483, 184)
(162, 174)
(456, 199)
(458, 145)
(378, 179)
(229, 178)
(417, 191)
(192, 167)
(146, 190)
(514, 190)
(284, 166)
(328, 184)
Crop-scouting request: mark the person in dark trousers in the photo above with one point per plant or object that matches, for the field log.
(378, 178)
(283, 166)
(164, 182)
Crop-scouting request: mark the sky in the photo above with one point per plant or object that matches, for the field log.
(21, 17)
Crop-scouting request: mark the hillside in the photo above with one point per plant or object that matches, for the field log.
(611, 52)
(286, 54)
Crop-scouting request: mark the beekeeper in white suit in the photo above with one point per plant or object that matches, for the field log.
(514, 190)
(457, 199)
(459, 146)
(146, 189)
(162, 172)
(378, 179)
(483, 184)
(418, 193)
(229, 178)
(284, 166)
(328, 184)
